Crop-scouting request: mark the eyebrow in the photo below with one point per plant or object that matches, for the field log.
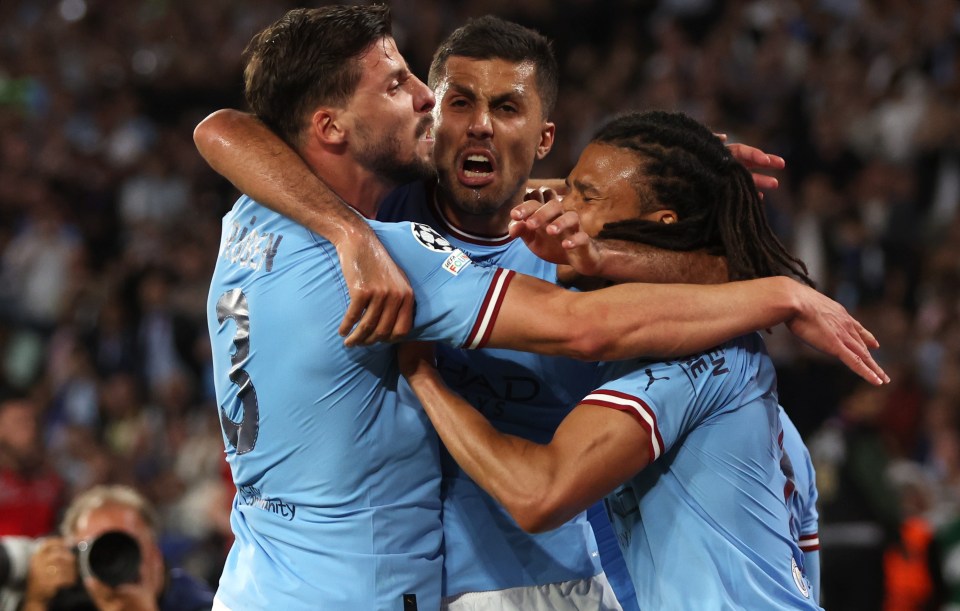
(583, 187)
(496, 100)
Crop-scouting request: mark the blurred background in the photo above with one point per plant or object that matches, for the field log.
(109, 225)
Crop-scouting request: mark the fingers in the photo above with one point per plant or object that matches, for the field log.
(765, 182)
(545, 214)
(534, 195)
(576, 240)
(527, 208)
(753, 158)
(827, 326)
(52, 567)
(855, 353)
(865, 367)
(867, 337)
(381, 299)
(378, 318)
(358, 305)
(566, 222)
(541, 205)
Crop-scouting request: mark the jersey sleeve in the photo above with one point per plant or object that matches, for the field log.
(457, 300)
(657, 395)
(805, 479)
(810, 522)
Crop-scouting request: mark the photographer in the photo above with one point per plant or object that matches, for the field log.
(89, 526)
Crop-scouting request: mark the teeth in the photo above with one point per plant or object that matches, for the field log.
(470, 174)
(480, 158)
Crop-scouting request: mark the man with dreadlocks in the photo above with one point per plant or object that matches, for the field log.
(685, 452)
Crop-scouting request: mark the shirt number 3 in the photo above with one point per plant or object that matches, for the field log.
(241, 435)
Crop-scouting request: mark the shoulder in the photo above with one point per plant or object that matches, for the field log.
(419, 248)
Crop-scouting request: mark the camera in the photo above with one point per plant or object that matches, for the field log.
(112, 557)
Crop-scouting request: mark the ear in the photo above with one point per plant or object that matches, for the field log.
(328, 125)
(547, 133)
(665, 216)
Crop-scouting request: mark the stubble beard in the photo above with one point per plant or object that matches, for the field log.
(382, 157)
(484, 201)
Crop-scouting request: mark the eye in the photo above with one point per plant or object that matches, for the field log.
(509, 108)
(457, 103)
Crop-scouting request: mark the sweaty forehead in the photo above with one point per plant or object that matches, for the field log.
(606, 166)
(382, 55)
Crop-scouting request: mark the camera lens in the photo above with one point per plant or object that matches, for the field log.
(113, 558)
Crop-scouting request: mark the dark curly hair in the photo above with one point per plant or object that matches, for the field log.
(686, 168)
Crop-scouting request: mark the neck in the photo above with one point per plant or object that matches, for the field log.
(489, 224)
(357, 186)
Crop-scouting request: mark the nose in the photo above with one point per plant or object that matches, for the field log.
(480, 125)
(423, 98)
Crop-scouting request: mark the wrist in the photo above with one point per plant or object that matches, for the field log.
(350, 235)
(423, 376)
(601, 259)
(790, 296)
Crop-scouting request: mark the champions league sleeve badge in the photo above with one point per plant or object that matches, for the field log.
(430, 239)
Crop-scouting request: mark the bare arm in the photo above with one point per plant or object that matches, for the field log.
(554, 234)
(634, 262)
(632, 319)
(242, 149)
(542, 486)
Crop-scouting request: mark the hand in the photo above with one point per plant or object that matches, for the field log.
(554, 234)
(52, 567)
(530, 219)
(557, 185)
(416, 358)
(126, 597)
(753, 158)
(381, 300)
(825, 325)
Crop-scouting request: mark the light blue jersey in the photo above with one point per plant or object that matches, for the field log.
(804, 517)
(338, 500)
(705, 525)
(522, 394)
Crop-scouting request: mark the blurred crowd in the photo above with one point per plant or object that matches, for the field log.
(109, 225)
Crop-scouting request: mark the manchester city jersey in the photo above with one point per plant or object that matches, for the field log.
(705, 525)
(338, 500)
(522, 394)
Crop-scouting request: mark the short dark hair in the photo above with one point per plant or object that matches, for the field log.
(686, 168)
(490, 37)
(308, 58)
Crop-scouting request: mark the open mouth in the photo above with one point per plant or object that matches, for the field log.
(477, 169)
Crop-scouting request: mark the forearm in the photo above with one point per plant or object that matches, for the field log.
(248, 154)
(504, 465)
(631, 320)
(632, 262)
(676, 320)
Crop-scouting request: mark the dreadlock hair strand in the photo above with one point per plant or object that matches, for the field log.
(686, 168)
